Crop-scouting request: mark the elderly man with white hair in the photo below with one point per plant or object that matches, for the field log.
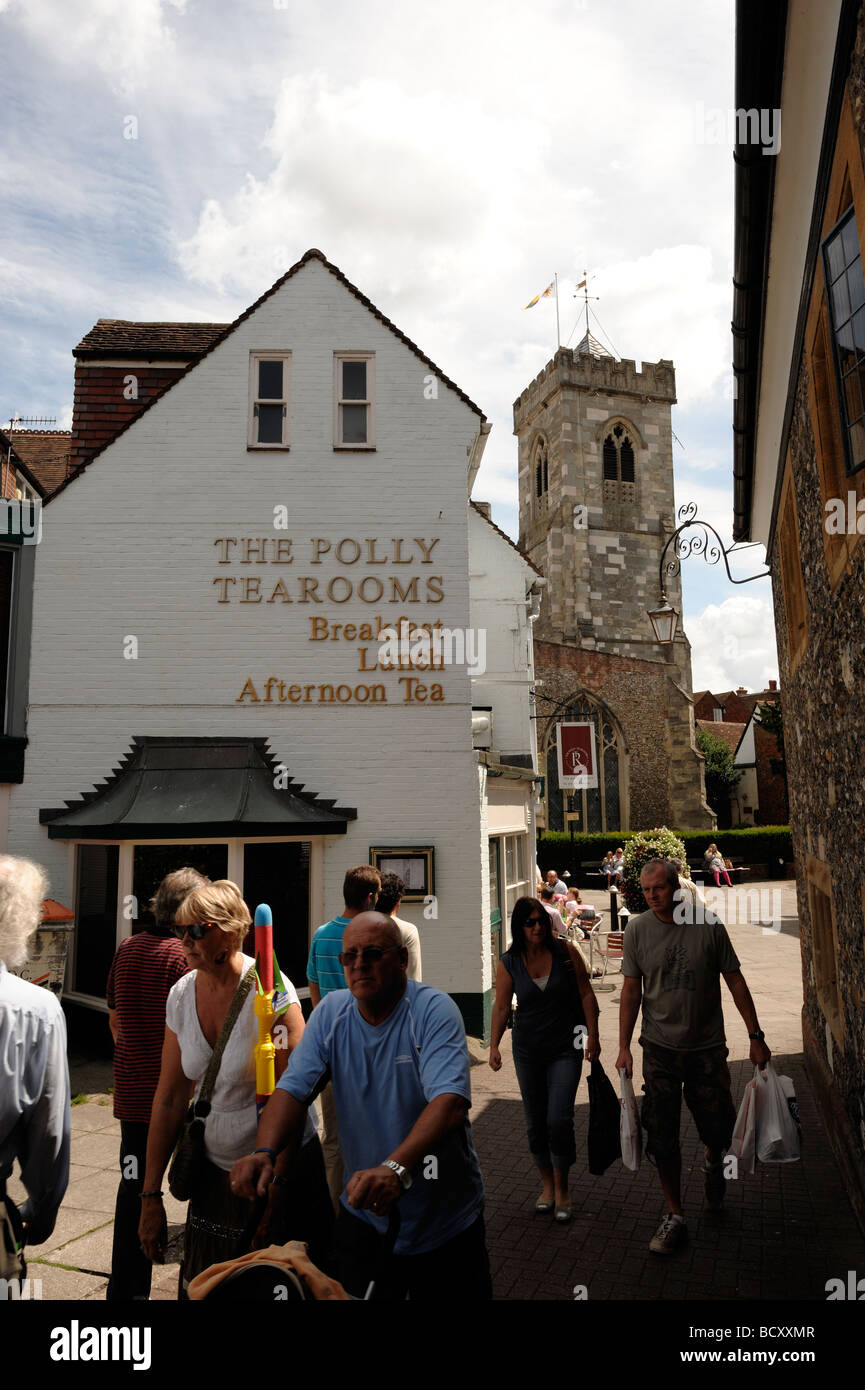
(34, 1076)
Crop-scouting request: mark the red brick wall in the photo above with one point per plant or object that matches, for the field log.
(100, 409)
(705, 707)
(770, 785)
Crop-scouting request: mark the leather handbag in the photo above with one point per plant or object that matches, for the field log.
(604, 1119)
(187, 1164)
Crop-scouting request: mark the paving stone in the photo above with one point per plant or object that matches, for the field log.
(58, 1284)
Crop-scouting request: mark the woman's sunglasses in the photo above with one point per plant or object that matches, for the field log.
(534, 921)
(194, 929)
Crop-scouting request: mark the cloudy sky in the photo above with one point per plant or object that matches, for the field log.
(168, 159)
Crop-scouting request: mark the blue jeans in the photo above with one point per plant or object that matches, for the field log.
(548, 1089)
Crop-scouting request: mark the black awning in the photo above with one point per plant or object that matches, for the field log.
(202, 788)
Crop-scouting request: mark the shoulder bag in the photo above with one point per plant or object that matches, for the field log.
(188, 1161)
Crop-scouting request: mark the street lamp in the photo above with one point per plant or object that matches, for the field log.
(663, 621)
(663, 618)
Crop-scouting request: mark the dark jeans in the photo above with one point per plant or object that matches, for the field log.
(130, 1269)
(549, 1089)
(459, 1270)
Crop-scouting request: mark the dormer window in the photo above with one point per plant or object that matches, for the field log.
(268, 400)
(618, 461)
(354, 400)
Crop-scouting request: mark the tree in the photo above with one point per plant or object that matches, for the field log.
(722, 775)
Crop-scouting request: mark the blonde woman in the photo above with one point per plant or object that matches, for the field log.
(212, 923)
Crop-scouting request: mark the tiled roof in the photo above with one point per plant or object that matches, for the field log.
(44, 453)
(730, 733)
(122, 337)
(223, 331)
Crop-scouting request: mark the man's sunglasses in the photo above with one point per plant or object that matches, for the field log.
(368, 955)
(194, 929)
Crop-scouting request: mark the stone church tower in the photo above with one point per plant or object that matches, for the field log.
(596, 509)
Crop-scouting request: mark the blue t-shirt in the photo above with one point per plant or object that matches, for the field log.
(323, 966)
(383, 1076)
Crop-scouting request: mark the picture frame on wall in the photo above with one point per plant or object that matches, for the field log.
(414, 864)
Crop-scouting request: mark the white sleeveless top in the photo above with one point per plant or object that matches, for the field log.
(231, 1127)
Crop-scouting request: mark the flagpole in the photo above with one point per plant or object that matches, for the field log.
(558, 329)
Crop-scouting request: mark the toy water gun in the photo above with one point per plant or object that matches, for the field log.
(271, 1000)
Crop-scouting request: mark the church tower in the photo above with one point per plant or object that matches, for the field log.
(596, 509)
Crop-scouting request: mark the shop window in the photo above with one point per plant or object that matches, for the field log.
(824, 946)
(151, 863)
(95, 918)
(618, 466)
(795, 604)
(268, 400)
(516, 860)
(354, 400)
(277, 873)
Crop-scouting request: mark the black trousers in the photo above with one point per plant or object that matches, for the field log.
(457, 1270)
(130, 1270)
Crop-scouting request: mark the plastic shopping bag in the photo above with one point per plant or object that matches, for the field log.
(777, 1135)
(743, 1143)
(630, 1133)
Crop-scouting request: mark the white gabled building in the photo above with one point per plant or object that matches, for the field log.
(212, 590)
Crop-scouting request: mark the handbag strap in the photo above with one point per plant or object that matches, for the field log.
(237, 1004)
(568, 967)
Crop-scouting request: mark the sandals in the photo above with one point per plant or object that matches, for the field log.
(564, 1212)
(542, 1206)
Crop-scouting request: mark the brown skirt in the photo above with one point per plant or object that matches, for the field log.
(219, 1225)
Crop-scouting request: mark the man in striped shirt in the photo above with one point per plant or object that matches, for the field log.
(143, 971)
(360, 890)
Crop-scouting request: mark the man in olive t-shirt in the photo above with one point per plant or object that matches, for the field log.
(673, 967)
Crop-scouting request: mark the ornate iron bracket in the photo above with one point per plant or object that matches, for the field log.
(700, 544)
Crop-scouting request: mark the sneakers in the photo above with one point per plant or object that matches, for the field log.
(668, 1236)
(715, 1184)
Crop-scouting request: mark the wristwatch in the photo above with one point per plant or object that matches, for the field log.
(759, 1036)
(402, 1173)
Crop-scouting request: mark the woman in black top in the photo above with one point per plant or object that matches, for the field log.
(557, 1020)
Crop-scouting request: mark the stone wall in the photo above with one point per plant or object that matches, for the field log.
(664, 769)
(823, 719)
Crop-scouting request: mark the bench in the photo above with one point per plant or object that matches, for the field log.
(700, 874)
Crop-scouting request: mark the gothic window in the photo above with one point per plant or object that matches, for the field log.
(542, 475)
(618, 461)
(598, 808)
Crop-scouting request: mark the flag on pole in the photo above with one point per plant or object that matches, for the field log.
(581, 285)
(544, 294)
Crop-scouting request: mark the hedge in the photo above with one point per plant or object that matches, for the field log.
(760, 844)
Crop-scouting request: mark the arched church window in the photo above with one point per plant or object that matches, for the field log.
(618, 462)
(601, 808)
(542, 473)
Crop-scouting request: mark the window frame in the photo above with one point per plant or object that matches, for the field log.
(848, 215)
(255, 400)
(340, 357)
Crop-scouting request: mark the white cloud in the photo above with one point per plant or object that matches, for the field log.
(124, 38)
(733, 644)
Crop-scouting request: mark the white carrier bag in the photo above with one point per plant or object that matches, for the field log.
(630, 1132)
(776, 1116)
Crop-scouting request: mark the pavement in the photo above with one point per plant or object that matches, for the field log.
(784, 1232)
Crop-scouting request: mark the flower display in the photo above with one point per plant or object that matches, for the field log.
(659, 843)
